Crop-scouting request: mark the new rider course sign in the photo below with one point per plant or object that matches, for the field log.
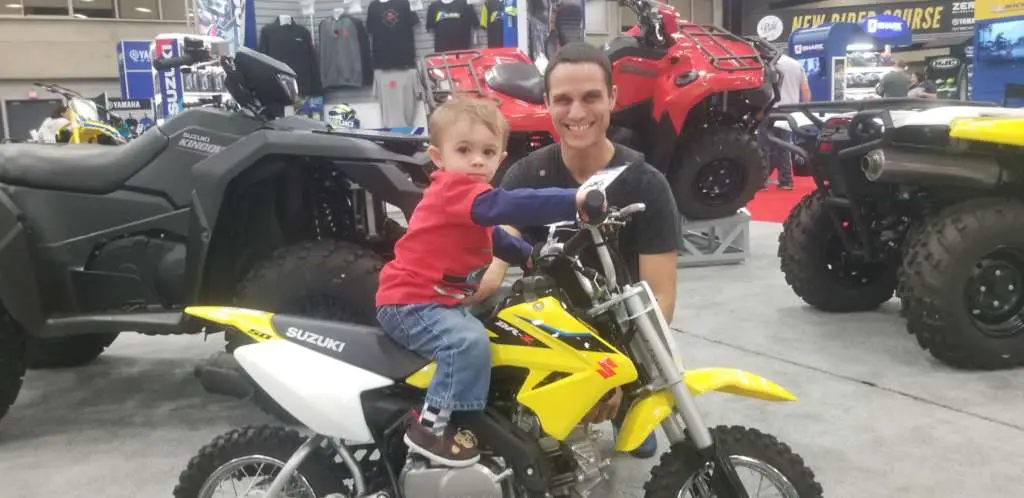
(942, 16)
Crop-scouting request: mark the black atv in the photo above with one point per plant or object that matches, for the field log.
(914, 198)
(211, 207)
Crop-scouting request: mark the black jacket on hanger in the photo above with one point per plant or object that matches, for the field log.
(292, 44)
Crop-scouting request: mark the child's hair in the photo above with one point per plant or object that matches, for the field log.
(477, 110)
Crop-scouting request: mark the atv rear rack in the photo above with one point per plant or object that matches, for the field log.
(437, 90)
(718, 53)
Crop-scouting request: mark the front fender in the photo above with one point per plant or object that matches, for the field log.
(647, 412)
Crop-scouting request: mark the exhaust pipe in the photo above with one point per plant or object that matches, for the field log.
(221, 374)
(932, 168)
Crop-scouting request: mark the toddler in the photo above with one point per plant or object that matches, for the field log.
(452, 237)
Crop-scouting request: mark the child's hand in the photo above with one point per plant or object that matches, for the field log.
(586, 204)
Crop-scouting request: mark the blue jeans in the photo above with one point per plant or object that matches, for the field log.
(453, 338)
(777, 157)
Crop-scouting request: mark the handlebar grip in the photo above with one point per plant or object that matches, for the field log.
(172, 62)
(594, 206)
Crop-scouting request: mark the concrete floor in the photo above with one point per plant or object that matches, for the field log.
(876, 417)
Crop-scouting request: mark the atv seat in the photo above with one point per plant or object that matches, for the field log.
(85, 168)
(518, 80)
(358, 345)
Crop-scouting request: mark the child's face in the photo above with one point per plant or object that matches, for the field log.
(470, 149)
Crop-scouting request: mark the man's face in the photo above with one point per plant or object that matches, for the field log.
(579, 103)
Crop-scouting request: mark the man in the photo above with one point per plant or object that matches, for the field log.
(580, 96)
(922, 87)
(793, 89)
(895, 83)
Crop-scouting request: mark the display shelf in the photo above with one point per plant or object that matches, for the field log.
(715, 242)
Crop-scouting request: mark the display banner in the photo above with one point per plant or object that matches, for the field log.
(998, 9)
(227, 19)
(944, 16)
(169, 95)
(887, 28)
(135, 67)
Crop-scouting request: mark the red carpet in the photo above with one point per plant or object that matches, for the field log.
(774, 204)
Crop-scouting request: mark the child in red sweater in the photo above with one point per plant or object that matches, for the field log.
(452, 236)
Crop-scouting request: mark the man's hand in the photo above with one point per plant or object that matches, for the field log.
(489, 283)
(604, 410)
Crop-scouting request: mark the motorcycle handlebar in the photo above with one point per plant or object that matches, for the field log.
(594, 207)
(173, 62)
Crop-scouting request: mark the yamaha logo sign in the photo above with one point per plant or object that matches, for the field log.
(945, 63)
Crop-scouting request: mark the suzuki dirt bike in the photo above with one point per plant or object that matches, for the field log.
(564, 338)
(77, 121)
(689, 98)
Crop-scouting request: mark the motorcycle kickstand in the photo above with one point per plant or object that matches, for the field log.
(292, 465)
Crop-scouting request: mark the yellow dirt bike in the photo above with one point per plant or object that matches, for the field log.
(565, 337)
(77, 121)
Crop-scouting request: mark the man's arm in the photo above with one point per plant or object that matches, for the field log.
(658, 242)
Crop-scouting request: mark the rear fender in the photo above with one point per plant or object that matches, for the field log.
(19, 289)
(649, 411)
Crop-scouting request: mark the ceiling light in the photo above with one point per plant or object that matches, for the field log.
(143, 9)
(13, 6)
(81, 16)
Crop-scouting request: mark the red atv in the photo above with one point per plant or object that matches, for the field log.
(689, 98)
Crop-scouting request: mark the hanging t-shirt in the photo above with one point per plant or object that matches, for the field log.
(492, 18)
(396, 92)
(391, 24)
(452, 23)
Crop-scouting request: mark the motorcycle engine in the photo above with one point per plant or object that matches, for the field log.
(577, 462)
(422, 480)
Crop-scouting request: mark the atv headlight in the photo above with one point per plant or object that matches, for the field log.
(291, 87)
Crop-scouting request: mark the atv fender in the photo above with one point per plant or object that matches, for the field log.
(647, 412)
(19, 291)
(365, 162)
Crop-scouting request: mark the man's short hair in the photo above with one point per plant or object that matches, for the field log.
(579, 53)
(476, 110)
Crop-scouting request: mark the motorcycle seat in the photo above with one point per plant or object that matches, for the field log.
(518, 80)
(84, 168)
(362, 346)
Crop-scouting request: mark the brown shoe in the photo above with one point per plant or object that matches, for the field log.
(456, 448)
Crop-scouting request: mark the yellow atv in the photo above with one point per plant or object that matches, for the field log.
(77, 121)
(923, 199)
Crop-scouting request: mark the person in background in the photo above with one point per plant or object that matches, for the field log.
(580, 95)
(896, 83)
(922, 87)
(793, 89)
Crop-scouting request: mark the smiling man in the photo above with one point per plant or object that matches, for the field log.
(580, 95)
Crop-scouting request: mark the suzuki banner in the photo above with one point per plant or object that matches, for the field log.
(943, 16)
(169, 94)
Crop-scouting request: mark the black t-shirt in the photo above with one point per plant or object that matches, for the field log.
(391, 24)
(654, 231)
(492, 18)
(452, 24)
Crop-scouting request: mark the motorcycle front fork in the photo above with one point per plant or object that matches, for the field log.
(658, 350)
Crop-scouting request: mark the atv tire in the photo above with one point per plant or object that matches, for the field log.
(12, 361)
(70, 351)
(818, 269)
(965, 285)
(716, 173)
(327, 279)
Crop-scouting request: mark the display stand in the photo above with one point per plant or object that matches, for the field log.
(715, 242)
